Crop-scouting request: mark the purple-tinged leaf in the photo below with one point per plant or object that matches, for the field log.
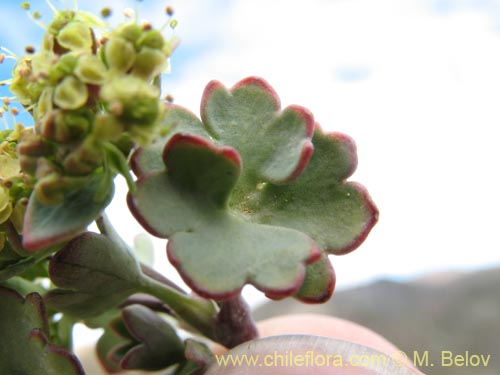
(139, 339)
(94, 274)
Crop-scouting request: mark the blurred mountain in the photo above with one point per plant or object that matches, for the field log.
(454, 312)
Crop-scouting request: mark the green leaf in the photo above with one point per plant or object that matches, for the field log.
(274, 146)
(227, 197)
(337, 214)
(215, 251)
(26, 349)
(28, 267)
(177, 120)
(49, 224)
(319, 282)
(94, 274)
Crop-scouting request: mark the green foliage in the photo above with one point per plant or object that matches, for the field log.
(25, 348)
(242, 198)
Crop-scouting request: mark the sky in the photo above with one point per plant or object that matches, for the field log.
(416, 83)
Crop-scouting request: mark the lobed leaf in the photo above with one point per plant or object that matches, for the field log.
(26, 349)
(337, 214)
(274, 145)
(246, 200)
(215, 251)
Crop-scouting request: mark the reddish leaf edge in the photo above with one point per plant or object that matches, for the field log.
(369, 204)
(135, 165)
(327, 293)
(184, 139)
(307, 147)
(314, 255)
(373, 219)
(33, 299)
(249, 81)
(178, 139)
(38, 335)
(35, 243)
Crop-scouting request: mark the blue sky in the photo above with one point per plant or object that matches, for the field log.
(415, 82)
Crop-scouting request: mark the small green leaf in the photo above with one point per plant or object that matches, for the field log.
(45, 225)
(26, 349)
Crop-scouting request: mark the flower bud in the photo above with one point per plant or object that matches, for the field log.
(75, 36)
(139, 100)
(149, 63)
(49, 190)
(151, 39)
(64, 67)
(107, 127)
(34, 146)
(70, 93)
(84, 160)
(28, 164)
(130, 31)
(45, 167)
(90, 69)
(17, 216)
(119, 54)
(5, 204)
(44, 104)
(65, 126)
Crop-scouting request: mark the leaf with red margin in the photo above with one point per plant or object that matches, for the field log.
(178, 120)
(319, 282)
(215, 251)
(47, 225)
(274, 145)
(280, 184)
(337, 214)
(24, 330)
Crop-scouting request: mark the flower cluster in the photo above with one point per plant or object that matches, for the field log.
(15, 186)
(84, 90)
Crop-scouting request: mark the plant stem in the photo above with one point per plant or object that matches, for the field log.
(198, 313)
(234, 323)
